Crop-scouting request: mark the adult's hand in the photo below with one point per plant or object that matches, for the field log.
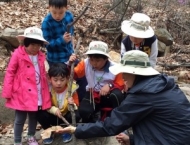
(123, 139)
(69, 129)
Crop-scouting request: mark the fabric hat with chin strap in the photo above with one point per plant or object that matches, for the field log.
(138, 26)
(134, 62)
(98, 47)
(34, 33)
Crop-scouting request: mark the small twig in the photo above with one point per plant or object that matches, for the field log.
(119, 24)
(113, 7)
(80, 15)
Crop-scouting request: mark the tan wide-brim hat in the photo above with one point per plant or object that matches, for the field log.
(134, 62)
(34, 33)
(138, 26)
(98, 47)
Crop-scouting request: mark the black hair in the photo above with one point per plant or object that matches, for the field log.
(97, 56)
(58, 3)
(58, 69)
(28, 41)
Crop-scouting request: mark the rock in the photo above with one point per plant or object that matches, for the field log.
(115, 57)
(9, 35)
(163, 50)
(164, 36)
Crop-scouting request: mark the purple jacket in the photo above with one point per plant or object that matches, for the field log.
(19, 87)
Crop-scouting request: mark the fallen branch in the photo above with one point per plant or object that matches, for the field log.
(185, 28)
(174, 65)
(100, 19)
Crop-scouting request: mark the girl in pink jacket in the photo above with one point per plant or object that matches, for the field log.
(25, 85)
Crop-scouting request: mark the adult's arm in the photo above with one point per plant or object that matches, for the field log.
(132, 110)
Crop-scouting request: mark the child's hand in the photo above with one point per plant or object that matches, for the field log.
(58, 113)
(104, 90)
(72, 58)
(67, 37)
(70, 100)
(123, 139)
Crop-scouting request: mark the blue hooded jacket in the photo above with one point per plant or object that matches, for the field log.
(156, 109)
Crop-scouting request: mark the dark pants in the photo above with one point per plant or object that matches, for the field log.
(47, 120)
(82, 82)
(86, 107)
(20, 118)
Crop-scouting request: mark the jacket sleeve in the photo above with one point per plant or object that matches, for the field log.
(132, 110)
(79, 70)
(154, 53)
(54, 42)
(75, 98)
(52, 110)
(9, 76)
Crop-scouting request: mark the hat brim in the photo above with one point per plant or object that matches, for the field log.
(22, 37)
(131, 31)
(119, 68)
(97, 52)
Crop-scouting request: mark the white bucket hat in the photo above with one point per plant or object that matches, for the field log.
(34, 33)
(138, 26)
(134, 62)
(98, 47)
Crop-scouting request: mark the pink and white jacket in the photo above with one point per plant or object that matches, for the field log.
(19, 87)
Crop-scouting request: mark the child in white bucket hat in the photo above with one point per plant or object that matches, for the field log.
(103, 91)
(140, 36)
(154, 107)
(25, 84)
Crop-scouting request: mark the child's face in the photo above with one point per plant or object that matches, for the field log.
(58, 83)
(97, 63)
(136, 40)
(57, 13)
(33, 49)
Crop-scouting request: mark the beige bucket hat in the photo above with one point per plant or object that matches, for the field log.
(98, 47)
(34, 33)
(134, 62)
(138, 26)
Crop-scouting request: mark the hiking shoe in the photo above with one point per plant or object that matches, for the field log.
(32, 141)
(66, 137)
(48, 140)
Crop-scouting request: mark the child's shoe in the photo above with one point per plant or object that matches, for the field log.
(48, 140)
(32, 141)
(66, 137)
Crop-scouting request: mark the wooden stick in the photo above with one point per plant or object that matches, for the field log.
(80, 15)
(65, 121)
(71, 107)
